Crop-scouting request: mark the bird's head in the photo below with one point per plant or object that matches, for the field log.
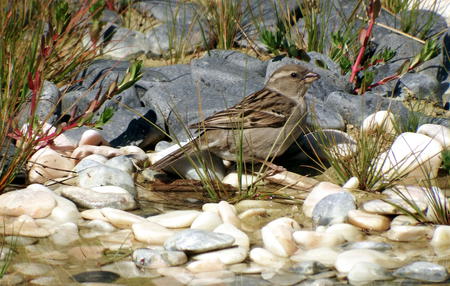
(292, 80)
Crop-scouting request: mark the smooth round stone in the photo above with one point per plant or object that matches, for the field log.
(240, 237)
(245, 205)
(245, 181)
(347, 231)
(11, 279)
(122, 162)
(121, 219)
(198, 241)
(226, 256)
(325, 255)
(247, 268)
(47, 163)
(409, 233)
(211, 207)
(375, 245)
(207, 221)
(252, 213)
(156, 258)
(65, 234)
(22, 226)
(103, 175)
(31, 269)
(250, 280)
(205, 266)
(34, 203)
(228, 214)
(441, 237)
(404, 220)
(175, 219)
(382, 207)
(381, 120)
(266, 258)
(368, 221)
(423, 271)
(127, 269)
(415, 193)
(318, 282)
(4, 252)
(83, 151)
(409, 155)
(100, 226)
(439, 133)
(319, 192)
(312, 239)
(352, 184)
(93, 214)
(151, 233)
(45, 281)
(285, 279)
(99, 197)
(96, 276)
(366, 272)
(65, 211)
(308, 268)
(89, 163)
(333, 208)
(20, 240)
(347, 259)
(277, 236)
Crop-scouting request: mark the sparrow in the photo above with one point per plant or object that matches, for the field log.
(262, 126)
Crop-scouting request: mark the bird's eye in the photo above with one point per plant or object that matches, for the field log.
(294, 74)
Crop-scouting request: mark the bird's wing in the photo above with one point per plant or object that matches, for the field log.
(265, 108)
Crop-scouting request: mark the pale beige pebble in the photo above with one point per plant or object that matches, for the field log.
(311, 239)
(352, 183)
(264, 257)
(386, 208)
(86, 150)
(293, 180)
(47, 163)
(364, 273)
(207, 221)
(211, 207)
(93, 214)
(368, 221)
(130, 150)
(11, 279)
(223, 277)
(151, 233)
(245, 205)
(409, 155)
(247, 268)
(63, 143)
(253, 212)
(226, 256)
(409, 232)
(175, 219)
(205, 266)
(34, 203)
(441, 237)
(228, 214)
(277, 236)
(244, 182)
(65, 234)
(325, 255)
(86, 252)
(92, 137)
(240, 237)
(117, 240)
(181, 274)
(65, 211)
(347, 259)
(22, 226)
(411, 192)
(439, 133)
(404, 220)
(381, 120)
(31, 269)
(319, 192)
(45, 281)
(347, 231)
(121, 219)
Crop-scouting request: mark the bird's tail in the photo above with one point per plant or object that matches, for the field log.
(167, 160)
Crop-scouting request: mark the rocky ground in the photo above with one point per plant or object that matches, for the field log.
(85, 217)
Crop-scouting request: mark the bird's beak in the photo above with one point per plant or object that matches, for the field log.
(311, 76)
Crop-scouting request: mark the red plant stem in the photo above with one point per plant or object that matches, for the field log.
(387, 79)
(356, 66)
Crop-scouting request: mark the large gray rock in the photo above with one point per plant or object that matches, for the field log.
(333, 208)
(423, 271)
(102, 175)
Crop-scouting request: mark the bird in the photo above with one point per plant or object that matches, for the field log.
(262, 126)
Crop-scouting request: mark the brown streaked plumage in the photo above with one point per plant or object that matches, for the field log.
(268, 120)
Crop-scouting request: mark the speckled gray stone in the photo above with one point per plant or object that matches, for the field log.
(423, 271)
(198, 241)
